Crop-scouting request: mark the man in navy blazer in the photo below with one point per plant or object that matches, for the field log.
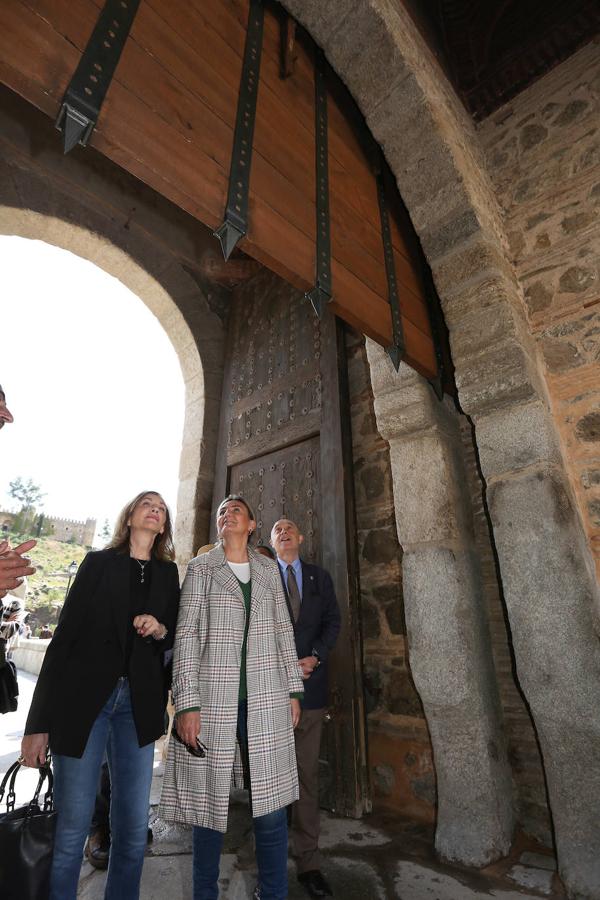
(316, 617)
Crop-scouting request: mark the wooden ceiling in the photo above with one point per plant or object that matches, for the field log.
(168, 119)
(493, 49)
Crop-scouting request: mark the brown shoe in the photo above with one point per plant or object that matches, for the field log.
(97, 849)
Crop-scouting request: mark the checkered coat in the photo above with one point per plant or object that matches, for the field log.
(206, 674)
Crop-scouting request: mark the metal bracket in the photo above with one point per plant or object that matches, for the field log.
(87, 89)
(398, 348)
(320, 295)
(235, 224)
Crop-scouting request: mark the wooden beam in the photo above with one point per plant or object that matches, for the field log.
(168, 119)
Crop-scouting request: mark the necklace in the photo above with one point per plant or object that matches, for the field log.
(142, 566)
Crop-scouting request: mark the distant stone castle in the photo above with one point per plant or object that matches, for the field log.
(65, 530)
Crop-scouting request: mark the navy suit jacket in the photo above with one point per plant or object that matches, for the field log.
(317, 627)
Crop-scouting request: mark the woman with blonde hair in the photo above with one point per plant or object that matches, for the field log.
(102, 691)
(236, 684)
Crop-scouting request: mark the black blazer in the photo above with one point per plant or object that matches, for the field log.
(85, 657)
(317, 628)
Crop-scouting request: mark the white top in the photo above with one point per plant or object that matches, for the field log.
(241, 571)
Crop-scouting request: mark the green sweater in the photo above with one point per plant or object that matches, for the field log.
(247, 592)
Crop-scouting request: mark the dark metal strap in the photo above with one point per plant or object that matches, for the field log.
(235, 224)
(321, 293)
(398, 348)
(87, 89)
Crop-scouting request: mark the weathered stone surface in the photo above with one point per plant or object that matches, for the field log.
(349, 49)
(384, 779)
(531, 135)
(451, 670)
(588, 427)
(419, 408)
(515, 437)
(576, 279)
(551, 598)
(450, 651)
(430, 506)
(502, 376)
(538, 879)
(571, 112)
(469, 261)
(320, 19)
(373, 482)
(378, 548)
(560, 356)
(445, 233)
(538, 297)
(402, 698)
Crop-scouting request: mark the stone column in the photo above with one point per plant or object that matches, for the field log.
(547, 573)
(552, 605)
(449, 644)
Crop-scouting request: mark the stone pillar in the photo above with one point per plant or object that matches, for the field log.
(547, 573)
(449, 644)
(551, 600)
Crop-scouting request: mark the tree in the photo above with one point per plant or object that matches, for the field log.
(106, 532)
(29, 495)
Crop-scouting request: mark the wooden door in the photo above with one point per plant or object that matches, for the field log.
(282, 446)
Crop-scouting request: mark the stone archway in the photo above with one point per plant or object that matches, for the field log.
(549, 586)
(192, 347)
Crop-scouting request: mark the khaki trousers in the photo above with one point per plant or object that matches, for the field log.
(305, 811)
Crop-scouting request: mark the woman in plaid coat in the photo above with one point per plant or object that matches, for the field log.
(235, 683)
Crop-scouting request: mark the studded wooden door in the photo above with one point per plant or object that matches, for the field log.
(282, 447)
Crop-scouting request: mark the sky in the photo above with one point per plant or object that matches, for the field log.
(92, 381)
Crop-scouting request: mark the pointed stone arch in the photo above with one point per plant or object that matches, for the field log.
(548, 582)
(178, 304)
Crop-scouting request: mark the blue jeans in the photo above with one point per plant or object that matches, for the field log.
(270, 833)
(75, 786)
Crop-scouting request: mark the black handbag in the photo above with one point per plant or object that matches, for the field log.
(26, 840)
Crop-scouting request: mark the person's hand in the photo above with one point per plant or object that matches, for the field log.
(147, 626)
(33, 750)
(188, 727)
(307, 666)
(14, 567)
(296, 711)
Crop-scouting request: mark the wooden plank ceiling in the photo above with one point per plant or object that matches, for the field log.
(168, 118)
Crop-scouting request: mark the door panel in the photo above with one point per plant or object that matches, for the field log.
(282, 447)
(282, 484)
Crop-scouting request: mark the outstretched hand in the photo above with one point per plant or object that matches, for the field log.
(14, 566)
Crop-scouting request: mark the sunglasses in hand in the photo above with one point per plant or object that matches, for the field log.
(200, 750)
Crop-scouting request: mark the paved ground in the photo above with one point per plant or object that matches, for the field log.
(378, 858)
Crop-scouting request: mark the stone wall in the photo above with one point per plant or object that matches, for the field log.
(28, 654)
(543, 154)
(66, 531)
(400, 758)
